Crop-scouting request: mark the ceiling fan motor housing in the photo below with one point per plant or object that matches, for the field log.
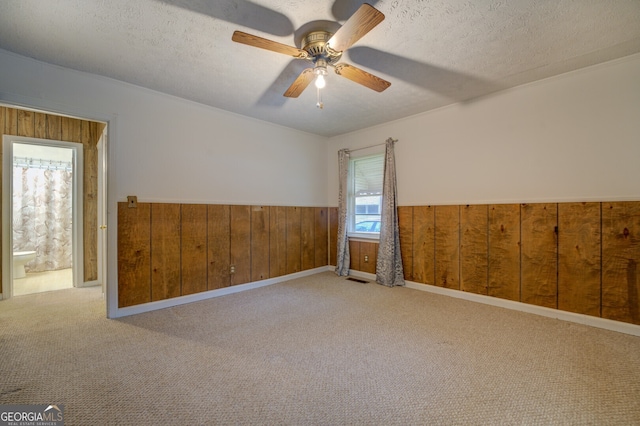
(315, 43)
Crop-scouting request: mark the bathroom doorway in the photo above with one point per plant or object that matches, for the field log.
(42, 180)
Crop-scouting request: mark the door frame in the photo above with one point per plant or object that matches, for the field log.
(7, 208)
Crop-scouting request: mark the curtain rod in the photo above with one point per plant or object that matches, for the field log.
(371, 146)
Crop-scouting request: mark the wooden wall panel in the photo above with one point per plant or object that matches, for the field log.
(165, 251)
(293, 240)
(11, 121)
(333, 235)
(579, 260)
(504, 251)
(368, 257)
(54, 127)
(307, 237)
(354, 255)
(240, 247)
(474, 248)
(219, 246)
(447, 246)
(3, 113)
(620, 258)
(134, 254)
(259, 243)
(405, 225)
(321, 227)
(278, 242)
(40, 125)
(539, 254)
(193, 245)
(26, 123)
(46, 126)
(423, 245)
(90, 200)
(70, 129)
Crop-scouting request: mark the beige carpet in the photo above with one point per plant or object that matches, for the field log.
(316, 350)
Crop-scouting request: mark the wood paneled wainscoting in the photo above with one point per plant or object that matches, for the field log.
(575, 257)
(171, 250)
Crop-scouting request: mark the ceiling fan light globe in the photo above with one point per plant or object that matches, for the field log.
(320, 81)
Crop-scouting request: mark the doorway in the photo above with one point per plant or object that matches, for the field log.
(42, 183)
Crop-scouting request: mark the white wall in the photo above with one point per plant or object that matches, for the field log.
(172, 150)
(573, 137)
(162, 148)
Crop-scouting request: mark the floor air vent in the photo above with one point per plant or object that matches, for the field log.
(358, 280)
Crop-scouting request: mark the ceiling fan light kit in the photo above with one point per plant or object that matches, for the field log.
(325, 49)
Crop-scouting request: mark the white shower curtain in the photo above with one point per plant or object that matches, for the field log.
(42, 217)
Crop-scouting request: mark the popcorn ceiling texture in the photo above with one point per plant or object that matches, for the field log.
(433, 52)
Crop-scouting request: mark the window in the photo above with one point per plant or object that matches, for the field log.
(365, 194)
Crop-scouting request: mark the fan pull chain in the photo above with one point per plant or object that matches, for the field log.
(319, 104)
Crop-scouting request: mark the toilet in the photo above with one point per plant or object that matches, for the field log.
(20, 258)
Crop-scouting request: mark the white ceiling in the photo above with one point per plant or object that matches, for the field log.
(434, 53)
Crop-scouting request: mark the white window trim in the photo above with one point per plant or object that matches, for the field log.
(353, 235)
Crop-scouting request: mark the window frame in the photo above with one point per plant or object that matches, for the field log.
(351, 201)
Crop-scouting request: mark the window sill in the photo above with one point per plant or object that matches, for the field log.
(367, 237)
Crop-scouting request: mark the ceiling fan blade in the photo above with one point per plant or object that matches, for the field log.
(360, 23)
(301, 83)
(263, 43)
(362, 77)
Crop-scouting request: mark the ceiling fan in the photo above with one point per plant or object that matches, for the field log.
(325, 49)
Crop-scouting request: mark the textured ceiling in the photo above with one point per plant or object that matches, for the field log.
(434, 52)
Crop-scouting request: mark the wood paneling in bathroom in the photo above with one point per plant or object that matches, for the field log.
(165, 251)
(474, 248)
(241, 244)
(307, 237)
(70, 130)
(11, 121)
(579, 258)
(423, 244)
(504, 251)
(405, 229)
(134, 254)
(219, 246)
(447, 247)
(259, 243)
(90, 137)
(54, 127)
(40, 125)
(321, 226)
(278, 242)
(193, 246)
(539, 254)
(293, 240)
(620, 258)
(26, 123)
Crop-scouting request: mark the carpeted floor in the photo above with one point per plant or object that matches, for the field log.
(315, 350)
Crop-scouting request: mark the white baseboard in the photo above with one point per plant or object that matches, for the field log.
(89, 284)
(176, 301)
(618, 326)
(607, 324)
